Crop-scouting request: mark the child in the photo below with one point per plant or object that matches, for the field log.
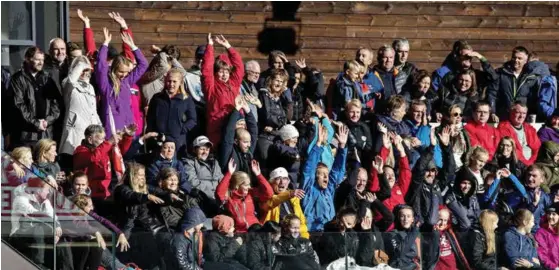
(348, 87)
(319, 183)
(236, 194)
(293, 251)
(188, 244)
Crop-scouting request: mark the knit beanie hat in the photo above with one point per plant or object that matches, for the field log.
(222, 223)
(288, 132)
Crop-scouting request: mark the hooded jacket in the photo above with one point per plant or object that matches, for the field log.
(545, 159)
(345, 91)
(507, 89)
(506, 129)
(318, 204)
(548, 245)
(465, 207)
(547, 96)
(187, 248)
(160, 163)
(119, 104)
(81, 108)
(295, 253)
(518, 246)
(220, 96)
(242, 208)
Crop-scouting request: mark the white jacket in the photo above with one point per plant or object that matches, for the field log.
(81, 108)
(26, 208)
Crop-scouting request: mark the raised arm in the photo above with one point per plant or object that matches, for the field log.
(238, 71)
(222, 188)
(88, 37)
(142, 63)
(208, 80)
(338, 169)
(102, 67)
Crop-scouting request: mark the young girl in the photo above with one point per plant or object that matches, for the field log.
(484, 253)
(547, 238)
(450, 255)
(520, 248)
(292, 251)
(17, 170)
(235, 192)
(114, 84)
(402, 244)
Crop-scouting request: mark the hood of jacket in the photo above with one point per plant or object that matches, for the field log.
(524, 243)
(192, 218)
(465, 174)
(538, 68)
(547, 153)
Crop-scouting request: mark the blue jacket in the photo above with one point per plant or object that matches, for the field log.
(438, 76)
(548, 96)
(513, 199)
(326, 157)
(318, 204)
(423, 133)
(173, 117)
(518, 246)
(345, 91)
(538, 210)
(159, 163)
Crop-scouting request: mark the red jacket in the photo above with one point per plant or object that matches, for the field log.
(220, 96)
(484, 135)
(400, 188)
(96, 163)
(506, 129)
(242, 208)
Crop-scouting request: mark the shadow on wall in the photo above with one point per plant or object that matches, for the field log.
(281, 31)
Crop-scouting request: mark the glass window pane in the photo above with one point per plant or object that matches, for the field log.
(12, 57)
(16, 20)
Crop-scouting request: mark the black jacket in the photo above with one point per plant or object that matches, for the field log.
(221, 248)
(465, 207)
(359, 245)
(401, 248)
(449, 96)
(173, 117)
(23, 86)
(295, 253)
(507, 89)
(172, 212)
(281, 155)
(484, 77)
(259, 252)
(479, 260)
(272, 113)
(360, 140)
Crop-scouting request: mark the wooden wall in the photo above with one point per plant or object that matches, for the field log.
(330, 32)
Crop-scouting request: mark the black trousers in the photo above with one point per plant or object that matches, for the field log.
(86, 254)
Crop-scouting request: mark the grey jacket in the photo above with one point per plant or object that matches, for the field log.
(203, 175)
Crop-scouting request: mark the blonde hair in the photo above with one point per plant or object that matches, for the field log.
(352, 65)
(41, 148)
(117, 62)
(176, 71)
(521, 216)
(78, 60)
(354, 103)
(487, 218)
(19, 152)
(282, 73)
(237, 179)
(132, 169)
(475, 153)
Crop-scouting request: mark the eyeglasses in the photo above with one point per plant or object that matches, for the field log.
(457, 114)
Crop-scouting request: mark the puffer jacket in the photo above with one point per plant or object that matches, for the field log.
(259, 251)
(242, 208)
(159, 163)
(507, 89)
(548, 245)
(479, 258)
(23, 86)
(545, 159)
(465, 207)
(518, 246)
(405, 76)
(203, 175)
(81, 109)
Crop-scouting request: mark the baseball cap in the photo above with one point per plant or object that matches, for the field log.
(202, 140)
(278, 172)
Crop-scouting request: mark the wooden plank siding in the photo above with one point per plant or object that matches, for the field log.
(329, 32)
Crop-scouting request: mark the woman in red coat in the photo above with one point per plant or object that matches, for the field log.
(221, 84)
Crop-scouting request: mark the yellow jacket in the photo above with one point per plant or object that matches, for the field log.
(271, 208)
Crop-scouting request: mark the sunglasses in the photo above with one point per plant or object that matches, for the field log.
(457, 114)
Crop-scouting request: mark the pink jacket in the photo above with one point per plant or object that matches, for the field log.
(548, 246)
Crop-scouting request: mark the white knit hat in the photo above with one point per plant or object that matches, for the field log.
(288, 132)
(278, 172)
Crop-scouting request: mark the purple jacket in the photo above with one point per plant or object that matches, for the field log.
(120, 105)
(548, 247)
(548, 134)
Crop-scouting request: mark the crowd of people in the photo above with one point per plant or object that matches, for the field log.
(222, 166)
